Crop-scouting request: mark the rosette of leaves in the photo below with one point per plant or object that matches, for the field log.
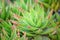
(35, 21)
(10, 32)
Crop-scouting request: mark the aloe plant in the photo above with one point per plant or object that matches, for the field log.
(10, 32)
(27, 19)
(35, 22)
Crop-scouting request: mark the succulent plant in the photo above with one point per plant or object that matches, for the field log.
(27, 19)
(35, 22)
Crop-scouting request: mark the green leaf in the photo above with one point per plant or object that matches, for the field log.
(13, 35)
(47, 31)
(41, 38)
